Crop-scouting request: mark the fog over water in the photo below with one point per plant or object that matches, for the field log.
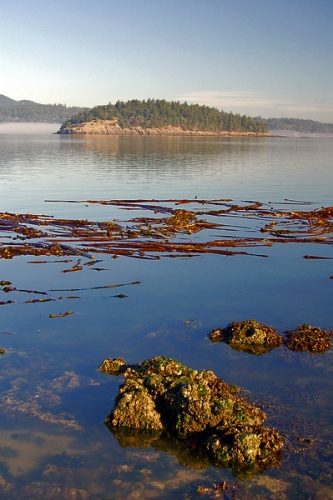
(295, 133)
(29, 128)
(52, 128)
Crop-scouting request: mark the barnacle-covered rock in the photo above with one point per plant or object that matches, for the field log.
(113, 366)
(135, 409)
(248, 336)
(206, 415)
(308, 338)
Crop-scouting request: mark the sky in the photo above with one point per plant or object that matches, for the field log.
(272, 58)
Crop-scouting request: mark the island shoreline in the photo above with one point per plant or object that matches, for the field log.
(112, 128)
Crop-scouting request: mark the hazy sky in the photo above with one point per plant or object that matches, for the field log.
(267, 57)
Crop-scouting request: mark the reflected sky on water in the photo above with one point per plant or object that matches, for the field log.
(54, 400)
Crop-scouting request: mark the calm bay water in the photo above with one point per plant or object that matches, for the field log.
(54, 401)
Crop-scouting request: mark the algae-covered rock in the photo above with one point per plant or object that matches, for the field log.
(112, 366)
(308, 338)
(248, 336)
(199, 410)
(135, 409)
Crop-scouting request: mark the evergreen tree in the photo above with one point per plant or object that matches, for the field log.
(160, 113)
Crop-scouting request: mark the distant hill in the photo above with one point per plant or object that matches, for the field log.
(297, 124)
(30, 111)
(29, 103)
(144, 116)
(6, 101)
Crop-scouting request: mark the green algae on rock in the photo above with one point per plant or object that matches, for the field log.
(161, 397)
(249, 336)
(308, 338)
(113, 366)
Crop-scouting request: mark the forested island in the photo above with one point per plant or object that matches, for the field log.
(156, 116)
(33, 112)
(297, 125)
(151, 116)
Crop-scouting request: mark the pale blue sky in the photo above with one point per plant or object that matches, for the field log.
(267, 57)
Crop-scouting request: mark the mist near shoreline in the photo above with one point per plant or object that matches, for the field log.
(52, 128)
(297, 134)
(29, 128)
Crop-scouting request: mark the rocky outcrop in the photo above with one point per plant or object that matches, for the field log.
(161, 397)
(308, 338)
(112, 127)
(253, 337)
(249, 336)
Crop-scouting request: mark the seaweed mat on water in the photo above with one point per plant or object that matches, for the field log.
(167, 228)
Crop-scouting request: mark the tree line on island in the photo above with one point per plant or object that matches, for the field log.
(155, 113)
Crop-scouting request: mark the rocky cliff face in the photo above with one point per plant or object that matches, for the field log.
(112, 127)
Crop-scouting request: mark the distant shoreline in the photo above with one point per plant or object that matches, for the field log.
(111, 127)
(46, 128)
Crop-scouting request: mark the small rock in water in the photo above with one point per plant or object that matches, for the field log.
(308, 338)
(249, 336)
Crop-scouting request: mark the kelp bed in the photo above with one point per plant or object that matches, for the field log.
(160, 228)
(167, 229)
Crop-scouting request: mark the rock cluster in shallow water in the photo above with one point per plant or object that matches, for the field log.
(308, 338)
(249, 336)
(161, 396)
(255, 338)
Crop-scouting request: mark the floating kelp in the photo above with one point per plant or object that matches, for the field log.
(316, 257)
(76, 267)
(10, 288)
(167, 230)
(58, 261)
(61, 315)
(308, 338)
(103, 287)
(92, 262)
(34, 301)
(249, 336)
(162, 397)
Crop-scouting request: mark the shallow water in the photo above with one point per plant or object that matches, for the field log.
(54, 400)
